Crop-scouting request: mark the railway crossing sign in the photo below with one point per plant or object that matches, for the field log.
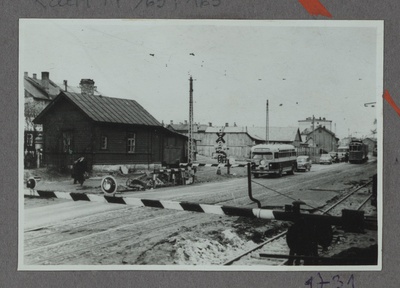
(219, 149)
(220, 137)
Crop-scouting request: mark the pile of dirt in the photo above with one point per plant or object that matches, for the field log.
(191, 249)
(214, 243)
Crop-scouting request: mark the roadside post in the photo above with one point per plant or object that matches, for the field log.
(249, 186)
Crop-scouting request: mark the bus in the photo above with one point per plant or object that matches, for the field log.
(273, 159)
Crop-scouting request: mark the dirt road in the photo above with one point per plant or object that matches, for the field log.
(87, 234)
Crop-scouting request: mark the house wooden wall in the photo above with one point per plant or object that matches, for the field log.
(63, 118)
(175, 150)
(324, 140)
(148, 145)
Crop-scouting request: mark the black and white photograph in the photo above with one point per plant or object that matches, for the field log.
(246, 145)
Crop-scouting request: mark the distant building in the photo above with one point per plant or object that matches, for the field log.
(345, 141)
(371, 142)
(238, 140)
(38, 93)
(109, 132)
(311, 123)
(322, 139)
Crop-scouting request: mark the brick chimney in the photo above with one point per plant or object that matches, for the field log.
(87, 87)
(45, 80)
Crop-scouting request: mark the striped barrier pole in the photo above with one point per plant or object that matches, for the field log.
(196, 207)
(211, 165)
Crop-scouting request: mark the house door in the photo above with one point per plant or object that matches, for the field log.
(66, 153)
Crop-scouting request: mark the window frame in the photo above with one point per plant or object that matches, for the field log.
(102, 142)
(131, 137)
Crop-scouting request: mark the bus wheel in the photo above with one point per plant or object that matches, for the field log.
(291, 172)
(280, 173)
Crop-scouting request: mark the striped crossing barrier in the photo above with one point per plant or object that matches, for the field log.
(219, 165)
(211, 165)
(193, 207)
(172, 170)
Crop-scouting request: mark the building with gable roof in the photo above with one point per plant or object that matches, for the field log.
(322, 139)
(238, 139)
(38, 93)
(108, 131)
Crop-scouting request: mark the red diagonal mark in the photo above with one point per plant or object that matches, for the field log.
(390, 100)
(315, 8)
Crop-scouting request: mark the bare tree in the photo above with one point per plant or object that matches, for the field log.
(32, 110)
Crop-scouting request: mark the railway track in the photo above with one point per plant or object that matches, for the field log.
(355, 199)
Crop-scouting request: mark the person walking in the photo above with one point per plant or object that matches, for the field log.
(79, 169)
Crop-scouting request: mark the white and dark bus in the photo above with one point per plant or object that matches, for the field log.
(273, 159)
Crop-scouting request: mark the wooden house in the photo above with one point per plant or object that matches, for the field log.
(322, 139)
(108, 131)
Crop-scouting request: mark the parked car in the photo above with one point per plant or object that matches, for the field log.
(304, 163)
(325, 159)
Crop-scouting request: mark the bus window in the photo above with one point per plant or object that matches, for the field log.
(266, 156)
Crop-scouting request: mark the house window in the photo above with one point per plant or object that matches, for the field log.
(29, 140)
(131, 142)
(104, 143)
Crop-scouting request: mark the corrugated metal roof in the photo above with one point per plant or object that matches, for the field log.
(275, 133)
(112, 110)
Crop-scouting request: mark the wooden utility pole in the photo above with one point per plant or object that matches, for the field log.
(190, 144)
(267, 125)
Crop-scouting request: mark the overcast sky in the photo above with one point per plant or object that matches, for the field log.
(304, 68)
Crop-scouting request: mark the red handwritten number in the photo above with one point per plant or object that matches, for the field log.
(351, 279)
(309, 282)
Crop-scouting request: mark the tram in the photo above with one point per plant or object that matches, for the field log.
(273, 159)
(358, 151)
